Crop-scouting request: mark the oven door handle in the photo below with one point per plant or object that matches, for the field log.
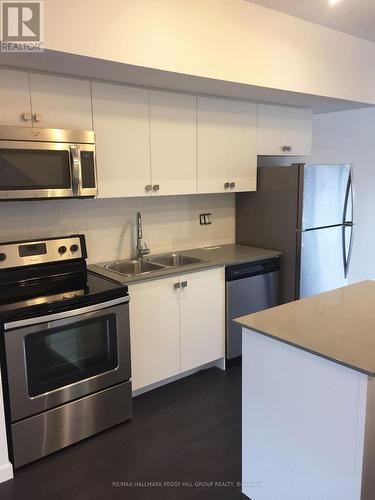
(64, 315)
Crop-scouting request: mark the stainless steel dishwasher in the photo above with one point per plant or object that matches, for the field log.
(250, 288)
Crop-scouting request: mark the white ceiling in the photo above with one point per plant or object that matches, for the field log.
(356, 17)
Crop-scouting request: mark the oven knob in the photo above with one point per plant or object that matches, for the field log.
(62, 249)
(74, 248)
(2, 257)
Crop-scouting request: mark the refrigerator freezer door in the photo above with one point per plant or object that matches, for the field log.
(322, 260)
(324, 194)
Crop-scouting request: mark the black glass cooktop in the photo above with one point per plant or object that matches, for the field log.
(32, 297)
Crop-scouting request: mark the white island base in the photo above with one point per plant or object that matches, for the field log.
(308, 428)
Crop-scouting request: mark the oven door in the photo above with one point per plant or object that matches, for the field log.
(36, 170)
(61, 357)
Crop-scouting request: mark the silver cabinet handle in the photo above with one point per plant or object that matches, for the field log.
(37, 117)
(148, 187)
(26, 117)
(176, 286)
(156, 187)
(226, 185)
(184, 284)
(232, 185)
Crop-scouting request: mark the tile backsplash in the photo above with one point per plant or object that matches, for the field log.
(169, 222)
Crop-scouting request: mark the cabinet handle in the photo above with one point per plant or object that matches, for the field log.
(156, 187)
(26, 117)
(37, 117)
(176, 286)
(148, 187)
(232, 185)
(227, 185)
(184, 284)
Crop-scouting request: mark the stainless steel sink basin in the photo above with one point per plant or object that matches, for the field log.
(133, 267)
(174, 260)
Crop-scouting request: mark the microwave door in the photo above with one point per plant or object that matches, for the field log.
(35, 170)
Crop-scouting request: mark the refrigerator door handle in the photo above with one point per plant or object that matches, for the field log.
(347, 256)
(348, 192)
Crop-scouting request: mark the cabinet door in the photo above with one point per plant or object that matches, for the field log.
(122, 134)
(300, 130)
(212, 134)
(202, 318)
(272, 133)
(60, 102)
(173, 143)
(154, 331)
(242, 154)
(281, 127)
(15, 107)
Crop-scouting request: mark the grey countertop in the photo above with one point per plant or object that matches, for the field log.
(337, 325)
(222, 255)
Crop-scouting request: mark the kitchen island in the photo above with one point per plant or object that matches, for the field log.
(308, 387)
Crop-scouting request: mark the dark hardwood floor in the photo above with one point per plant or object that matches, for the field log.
(188, 433)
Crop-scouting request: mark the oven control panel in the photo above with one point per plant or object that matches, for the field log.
(52, 250)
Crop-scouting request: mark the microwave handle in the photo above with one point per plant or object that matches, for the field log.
(76, 170)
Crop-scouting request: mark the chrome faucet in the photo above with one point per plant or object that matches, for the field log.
(142, 249)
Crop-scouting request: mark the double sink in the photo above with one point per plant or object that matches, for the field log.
(130, 268)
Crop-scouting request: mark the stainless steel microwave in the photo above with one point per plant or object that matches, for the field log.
(46, 163)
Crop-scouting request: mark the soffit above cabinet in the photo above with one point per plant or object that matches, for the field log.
(110, 71)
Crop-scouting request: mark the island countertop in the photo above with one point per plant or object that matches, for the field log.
(338, 325)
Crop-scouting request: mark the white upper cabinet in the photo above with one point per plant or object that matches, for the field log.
(202, 318)
(60, 102)
(122, 134)
(242, 153)
(212, 134)
(227, 159)
(284, 131)
(173, 143)
(15, 106)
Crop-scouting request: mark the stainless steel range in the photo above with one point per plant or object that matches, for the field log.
(65, 344)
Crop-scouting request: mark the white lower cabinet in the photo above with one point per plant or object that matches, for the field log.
(176, 324)
(202, 318)
(154, 326)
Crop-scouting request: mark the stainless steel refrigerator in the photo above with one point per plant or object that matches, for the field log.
(305, 211)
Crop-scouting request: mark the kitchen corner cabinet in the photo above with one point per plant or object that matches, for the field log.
(122, 136)
(176, 324)
(226, 135)
(36, 100)
(284, 131)
(173, 143)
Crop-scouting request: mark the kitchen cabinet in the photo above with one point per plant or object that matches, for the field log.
(173, 143)
(31, 99)
(202, 318)
(176, 324)
(60, 102)
(15, 98)
(226, 132)
(284, 131)
(154, 330)
(122, 134)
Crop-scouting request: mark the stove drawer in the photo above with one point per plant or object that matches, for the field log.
(43, 434)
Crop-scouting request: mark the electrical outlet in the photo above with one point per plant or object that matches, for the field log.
(205, 219)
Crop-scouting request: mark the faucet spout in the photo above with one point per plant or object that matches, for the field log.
(141, 249)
